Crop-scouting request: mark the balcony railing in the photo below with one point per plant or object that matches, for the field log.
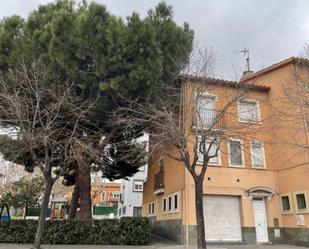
(209, 118)
(159, 183)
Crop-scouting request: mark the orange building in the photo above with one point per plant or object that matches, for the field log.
(256, 189)
(106, 194)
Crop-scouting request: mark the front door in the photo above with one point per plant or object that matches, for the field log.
(260, 220)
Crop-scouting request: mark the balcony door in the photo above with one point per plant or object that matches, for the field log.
(206, 112)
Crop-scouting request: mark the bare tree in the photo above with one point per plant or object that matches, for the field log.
(49, 118)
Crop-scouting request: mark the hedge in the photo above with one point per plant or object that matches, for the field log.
(126, 231)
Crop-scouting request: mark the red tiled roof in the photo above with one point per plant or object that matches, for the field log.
(226, 83)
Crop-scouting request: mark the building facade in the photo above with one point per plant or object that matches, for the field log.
(256, 188)
(131, 191)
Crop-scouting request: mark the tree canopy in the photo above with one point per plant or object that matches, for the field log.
(106, 57)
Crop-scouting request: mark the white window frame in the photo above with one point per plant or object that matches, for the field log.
(251, 155)
(258, 121)
(305, 210)
(169, 197)
(138, 181)
(242, 153)
(203, 95)
(290, 201)
(164, 210)
(178, 202)
(200, 162)
(151, 209)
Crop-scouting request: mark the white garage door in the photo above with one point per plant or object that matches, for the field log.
(222, 218)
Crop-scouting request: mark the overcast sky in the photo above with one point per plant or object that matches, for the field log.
(272, 30)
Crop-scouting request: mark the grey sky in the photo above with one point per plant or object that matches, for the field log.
(273, 30)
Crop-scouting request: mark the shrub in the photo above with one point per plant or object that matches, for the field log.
(126, 231)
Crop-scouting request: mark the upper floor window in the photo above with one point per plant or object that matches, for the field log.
(248, 111)
(257, 154)
(236, 157)
(103, 196)
(206, 112)
(115, 194)
(214, 152)
(138, 185)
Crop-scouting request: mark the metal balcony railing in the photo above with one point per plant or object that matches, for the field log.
(159, 182)
(206, 118)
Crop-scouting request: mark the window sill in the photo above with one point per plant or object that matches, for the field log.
(250, 122)
(287, 212)
(237, 166)
(302, 211)
(259, 168)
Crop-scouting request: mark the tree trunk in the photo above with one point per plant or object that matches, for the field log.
(74, 199)
(201, 241)
(84, 182)
(41, 223)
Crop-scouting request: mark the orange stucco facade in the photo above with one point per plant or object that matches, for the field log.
(282, 129)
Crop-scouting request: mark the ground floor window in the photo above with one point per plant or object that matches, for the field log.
(137, 211)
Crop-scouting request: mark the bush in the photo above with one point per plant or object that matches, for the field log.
(126, 231)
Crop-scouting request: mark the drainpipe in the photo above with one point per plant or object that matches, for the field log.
(184, 99)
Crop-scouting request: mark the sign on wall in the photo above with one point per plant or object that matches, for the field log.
(300, 219)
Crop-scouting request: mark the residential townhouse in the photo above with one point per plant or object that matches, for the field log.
(256, 190)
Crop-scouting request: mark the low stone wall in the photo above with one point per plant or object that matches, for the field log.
(170, 229)
(175, 231)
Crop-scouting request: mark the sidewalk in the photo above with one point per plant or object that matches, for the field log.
(166, 246)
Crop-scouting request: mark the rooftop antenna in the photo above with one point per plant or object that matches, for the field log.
(245, 52)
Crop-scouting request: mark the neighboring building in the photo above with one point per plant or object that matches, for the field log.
(105, 193)
(257, 189)
(131, 196)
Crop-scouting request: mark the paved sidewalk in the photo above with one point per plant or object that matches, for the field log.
(156, 246)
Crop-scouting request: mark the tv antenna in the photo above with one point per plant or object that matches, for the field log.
(245, 52)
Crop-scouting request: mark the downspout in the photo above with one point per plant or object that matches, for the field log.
(186, 175)
(183, 125)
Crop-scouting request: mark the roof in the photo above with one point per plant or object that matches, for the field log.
(226, 83)
(291, 60)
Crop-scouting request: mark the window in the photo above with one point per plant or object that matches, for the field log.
(137, 211)
(151, 208)
(103, 196)
(124, 210)
(115, 195)
(248, 111)
(235, 153)
(138, 185)
(212, 152)
(286, 204)
(175, 202)
(301, 201)
(257, 155)
(206, 113)
(119, 212)
(169, 204)
(164, 205)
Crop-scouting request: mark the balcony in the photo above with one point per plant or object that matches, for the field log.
(159, 183)
(209, 118)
